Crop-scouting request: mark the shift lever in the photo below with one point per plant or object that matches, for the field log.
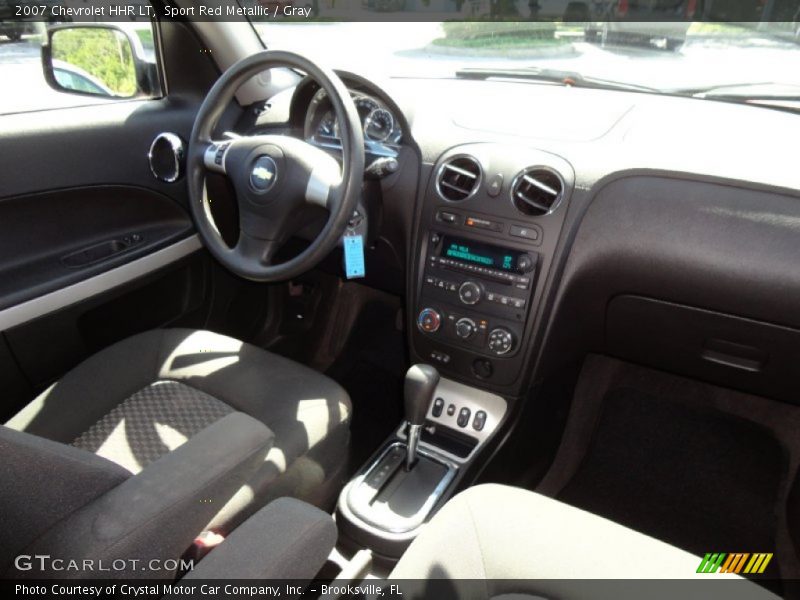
(421, 382)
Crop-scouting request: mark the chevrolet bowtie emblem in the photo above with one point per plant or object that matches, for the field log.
(263, 174)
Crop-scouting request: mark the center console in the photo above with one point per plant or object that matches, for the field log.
(486, 230)
(384, 506)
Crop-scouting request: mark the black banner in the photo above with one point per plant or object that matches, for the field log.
(730, 11)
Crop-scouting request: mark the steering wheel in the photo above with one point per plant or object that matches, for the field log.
(275, 177)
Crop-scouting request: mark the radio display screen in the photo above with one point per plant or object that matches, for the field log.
(483, 255)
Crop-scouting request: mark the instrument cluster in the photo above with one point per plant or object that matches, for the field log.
(380, 126)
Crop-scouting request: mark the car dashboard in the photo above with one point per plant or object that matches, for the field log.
(518, 212)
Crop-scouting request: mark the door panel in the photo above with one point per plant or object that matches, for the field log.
(49, 346)
(52, 240)
(93, 248)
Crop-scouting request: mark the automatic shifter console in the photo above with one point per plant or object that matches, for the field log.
(416, 471)
(420, 385)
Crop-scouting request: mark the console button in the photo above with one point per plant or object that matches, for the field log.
(429, 320)
(494, 185)
(463, 417)
(469, 292)
(440, 357)
(438, 407)
(480, 223)
(447, 217)
(451, 410)
(529, 233)
(479, 421)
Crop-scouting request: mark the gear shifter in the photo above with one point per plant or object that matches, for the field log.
(420, 385)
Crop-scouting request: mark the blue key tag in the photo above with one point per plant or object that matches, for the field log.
(354, 266)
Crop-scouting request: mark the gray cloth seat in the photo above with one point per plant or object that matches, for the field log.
(143, 397)
(524, 544)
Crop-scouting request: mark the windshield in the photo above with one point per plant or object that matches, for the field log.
(664, 56)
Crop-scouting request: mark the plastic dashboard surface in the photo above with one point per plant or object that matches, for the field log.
(624, 149)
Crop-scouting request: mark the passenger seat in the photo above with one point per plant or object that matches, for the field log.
(501, 533)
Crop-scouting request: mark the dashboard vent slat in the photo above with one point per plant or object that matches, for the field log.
(536, 191)
(459, 178)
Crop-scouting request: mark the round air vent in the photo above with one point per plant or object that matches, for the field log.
(166, 156)
(537, 191)
(458, 178)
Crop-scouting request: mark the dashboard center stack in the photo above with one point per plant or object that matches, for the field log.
(487, 229)
(476, 294)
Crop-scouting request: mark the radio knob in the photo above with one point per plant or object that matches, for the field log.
(501, 341)
(469, 292)
(465, 328)
(525, 263)
(429, 320)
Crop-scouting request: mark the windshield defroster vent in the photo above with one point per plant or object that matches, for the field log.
(459, 178)
(537, 191)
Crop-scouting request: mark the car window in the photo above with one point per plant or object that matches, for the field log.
(25, 87)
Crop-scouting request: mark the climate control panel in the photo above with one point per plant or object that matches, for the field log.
(474, 331)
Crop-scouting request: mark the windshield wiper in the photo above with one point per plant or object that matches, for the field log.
(781, 96)
(562, 77)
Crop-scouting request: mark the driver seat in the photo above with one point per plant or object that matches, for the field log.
(161, 395)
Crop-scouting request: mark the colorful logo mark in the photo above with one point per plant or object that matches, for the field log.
(736, 562)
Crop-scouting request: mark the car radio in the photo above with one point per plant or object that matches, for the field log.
(476, 294)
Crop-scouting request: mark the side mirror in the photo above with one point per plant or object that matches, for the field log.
(97, 60)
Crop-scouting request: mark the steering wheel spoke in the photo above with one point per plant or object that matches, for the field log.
(324, 180)
(215, 154)
(256, 251)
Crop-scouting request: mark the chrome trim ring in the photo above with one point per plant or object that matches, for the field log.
(175, 145)
(447, 161)
(525, 171)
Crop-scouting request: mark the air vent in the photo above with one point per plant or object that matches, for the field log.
(536, 191)
(459, 178)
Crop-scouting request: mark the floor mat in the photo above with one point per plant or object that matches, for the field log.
(698, 479)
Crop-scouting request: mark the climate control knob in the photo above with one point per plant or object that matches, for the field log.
(470, 292)
(429, 320)
(465, 328)
(501, 341)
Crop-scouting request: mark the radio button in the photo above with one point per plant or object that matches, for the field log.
(528, 233)
(526, 263)
(469, 292)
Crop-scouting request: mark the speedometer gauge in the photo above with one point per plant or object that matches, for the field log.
(364, 106)
(328, 126)
(378, 125)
